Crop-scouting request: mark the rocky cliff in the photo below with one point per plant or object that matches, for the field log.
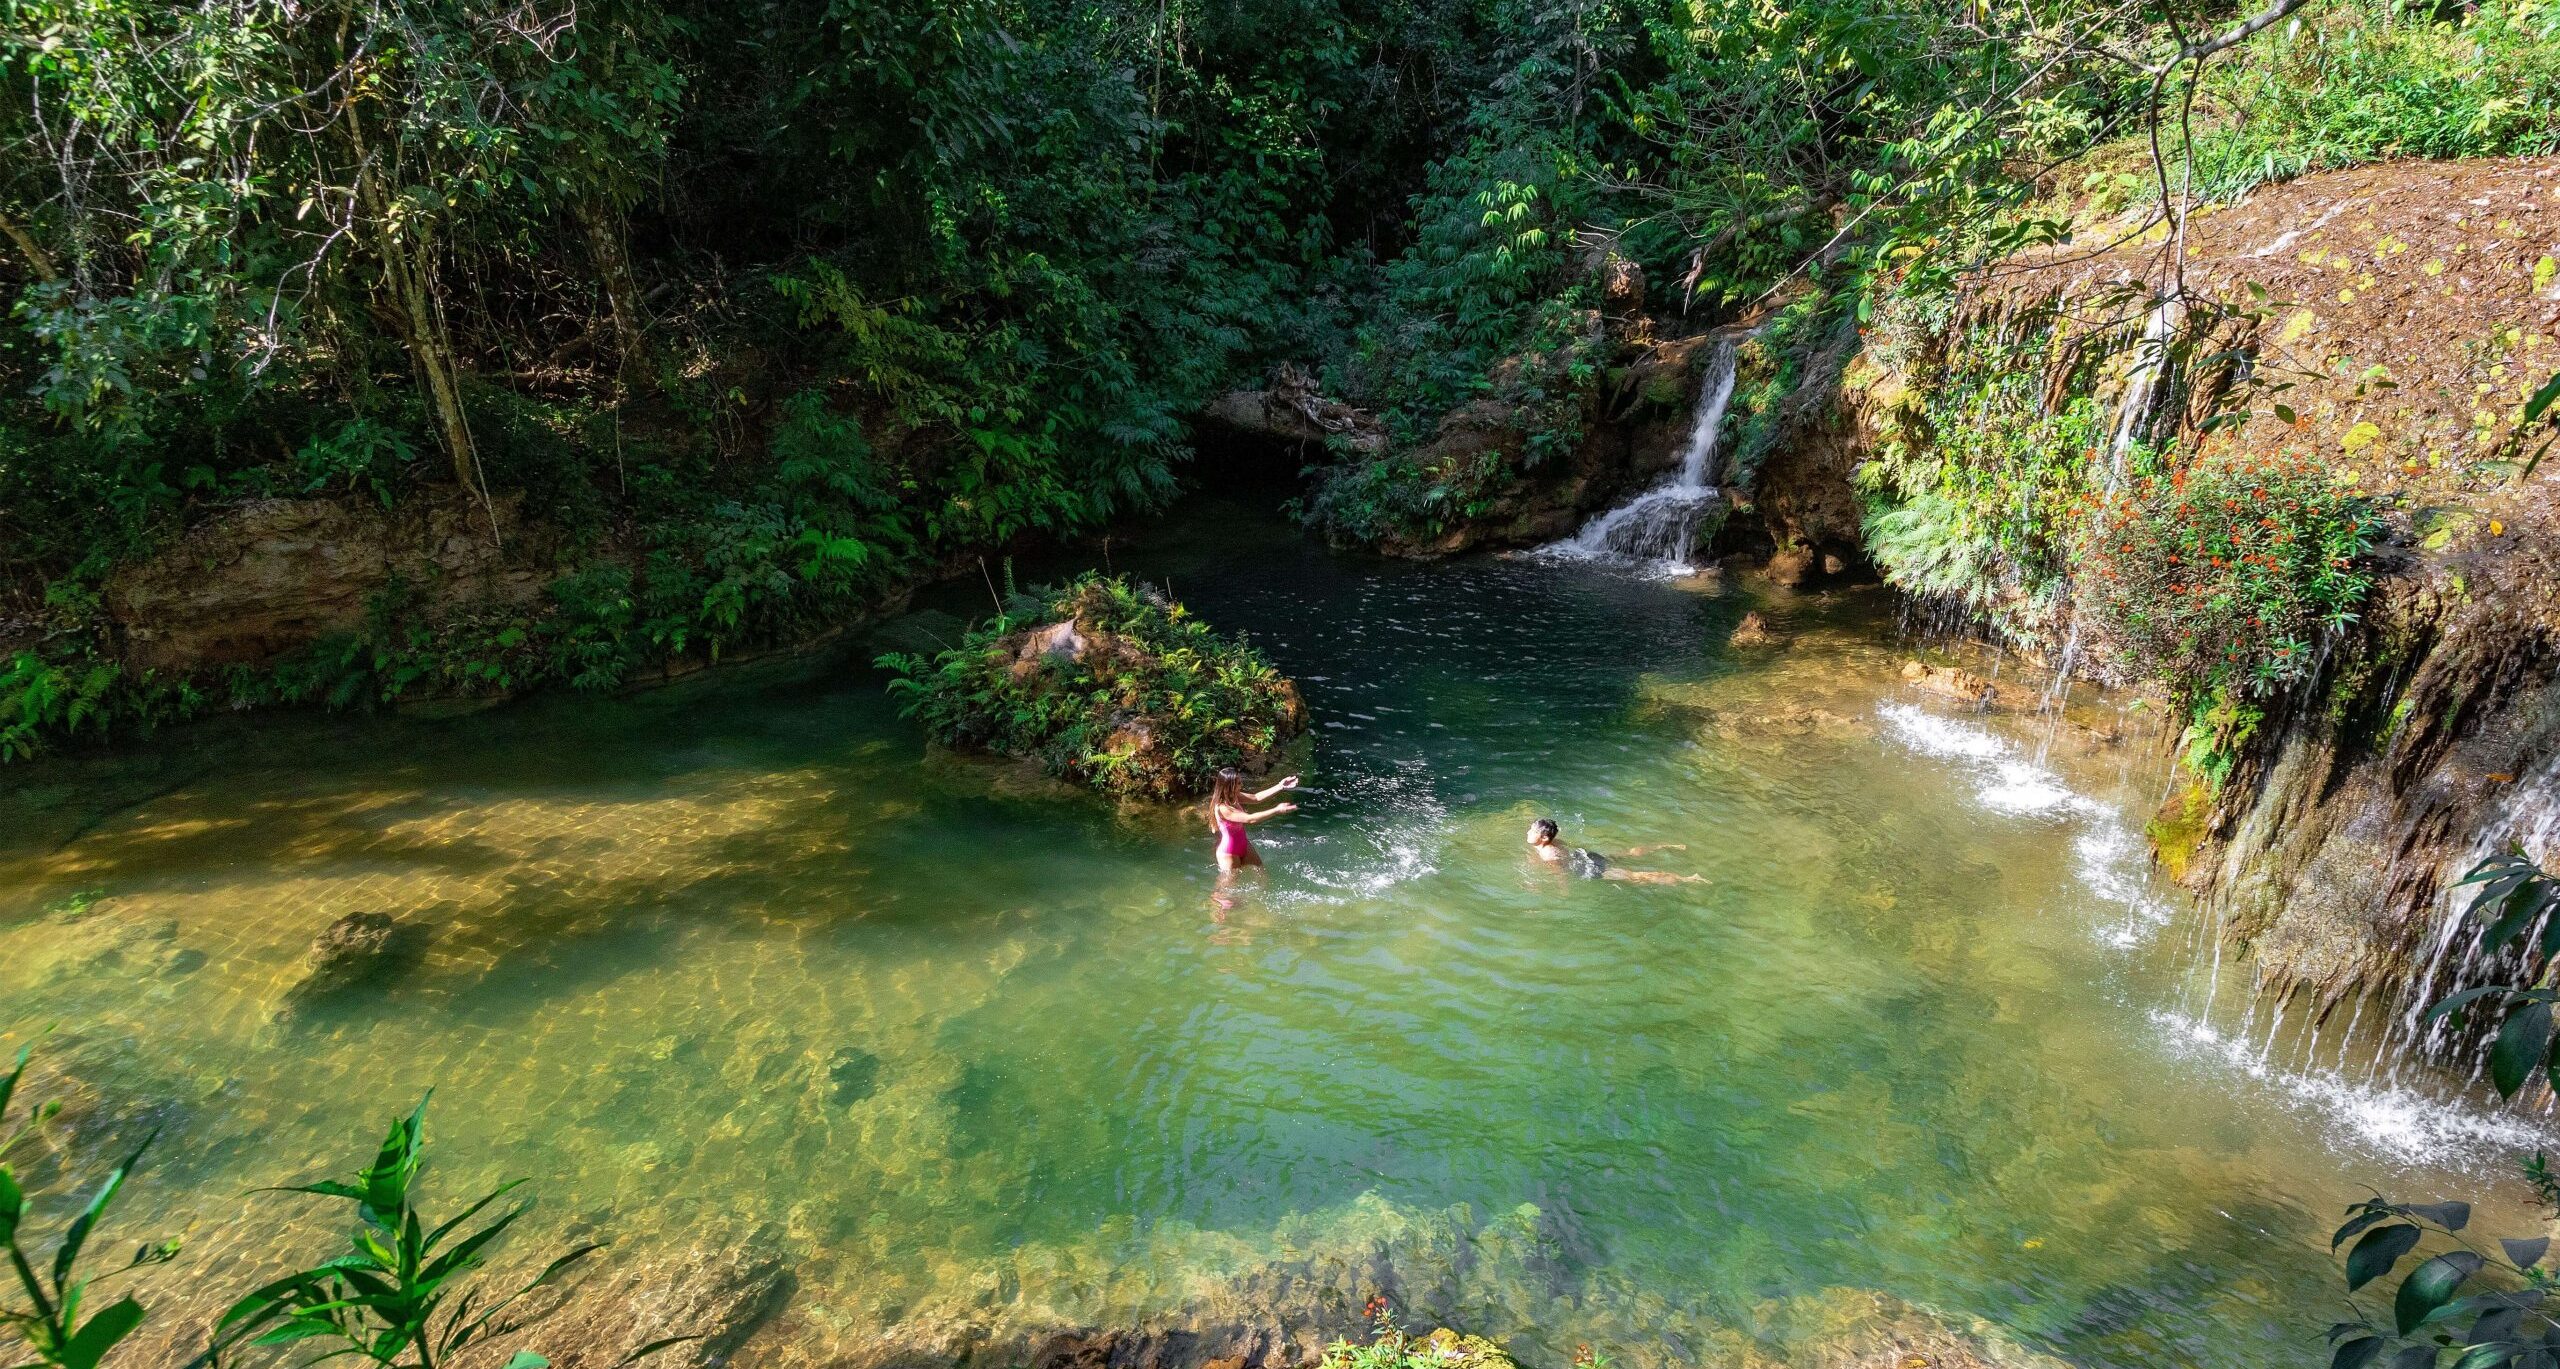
(272, 575)
(2387, 323)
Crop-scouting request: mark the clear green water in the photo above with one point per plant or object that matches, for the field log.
(741, 959)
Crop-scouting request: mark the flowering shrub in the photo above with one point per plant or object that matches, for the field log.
(2220, 578)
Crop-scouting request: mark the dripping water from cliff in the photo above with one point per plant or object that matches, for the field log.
(1660, 526)
(2408, 1085)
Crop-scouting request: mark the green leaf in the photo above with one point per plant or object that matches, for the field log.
(2456, 1002)
(2430, 1286)
(2377, 1252)
(2522, 1041)
(9, 1085)
(2543, 398)
(436, 1237)
(2525, 1254)
(2366, 1215)
(2357, 1353)
(652, 1348)
(2450, 1216)
(526, 1359)
(13, 1205)
(87, 1221)
(91, 1342)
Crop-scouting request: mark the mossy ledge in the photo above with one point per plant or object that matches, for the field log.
(1107, 683)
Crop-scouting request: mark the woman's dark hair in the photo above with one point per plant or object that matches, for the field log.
(1227, 791)
(1544, 829)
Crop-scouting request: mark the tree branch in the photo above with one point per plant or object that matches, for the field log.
(28, 247)
(2233, 36)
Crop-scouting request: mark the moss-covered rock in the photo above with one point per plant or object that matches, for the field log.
(1110, 684)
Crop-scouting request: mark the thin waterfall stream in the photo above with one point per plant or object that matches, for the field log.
(1660, 526)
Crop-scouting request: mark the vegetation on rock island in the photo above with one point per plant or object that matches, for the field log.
(1109, 683)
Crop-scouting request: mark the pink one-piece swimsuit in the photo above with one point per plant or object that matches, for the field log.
(1232, 844)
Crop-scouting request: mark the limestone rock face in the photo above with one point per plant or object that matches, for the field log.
(276, 574)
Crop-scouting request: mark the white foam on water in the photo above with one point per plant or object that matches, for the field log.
(2388, 1122)
(2113, 864)
(1931, 735)
(1398, 852)
(2108, 857)
(2394, 1123)
(2023, 789)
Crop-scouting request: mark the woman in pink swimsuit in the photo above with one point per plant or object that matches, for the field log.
(1228, 816)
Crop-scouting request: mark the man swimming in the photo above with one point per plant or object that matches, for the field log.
(1591, 864)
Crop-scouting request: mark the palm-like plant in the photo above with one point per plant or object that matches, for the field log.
(50, 1322)
(398, 1297)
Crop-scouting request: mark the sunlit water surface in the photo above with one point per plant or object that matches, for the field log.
(742, 960)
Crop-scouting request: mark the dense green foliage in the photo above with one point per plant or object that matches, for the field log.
(1108, 683)
(750, 313)
(1972, 490)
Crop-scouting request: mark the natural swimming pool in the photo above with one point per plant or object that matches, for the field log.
(740, 961)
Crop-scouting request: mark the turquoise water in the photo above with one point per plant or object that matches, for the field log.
(742, 960)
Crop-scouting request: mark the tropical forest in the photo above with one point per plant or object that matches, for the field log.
(1280, 684)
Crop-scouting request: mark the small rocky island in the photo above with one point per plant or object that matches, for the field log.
(1107, 683)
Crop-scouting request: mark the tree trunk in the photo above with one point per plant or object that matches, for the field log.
(406, 262)
(621, 291)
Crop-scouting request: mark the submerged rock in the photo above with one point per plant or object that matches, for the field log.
(1963, 685)
(719, 1297)
(853, 1075)
(1521, 1286)
(356, 950)
(1753, 631)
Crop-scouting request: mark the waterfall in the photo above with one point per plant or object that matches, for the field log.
(2143, 383)
(1661, 525)
(2528, 816)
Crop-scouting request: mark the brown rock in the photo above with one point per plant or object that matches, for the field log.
(1958, 683)
(720, 1296)
(351, 951)
(276, 574)
(1790, 567)
(1754, 631)
(352, 948)
(1292, 410)
(1621, 285)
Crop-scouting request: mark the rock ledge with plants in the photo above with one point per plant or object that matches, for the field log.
(1108, 683)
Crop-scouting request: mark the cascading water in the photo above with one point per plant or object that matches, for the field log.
(2143, 383)
(1661, 525)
